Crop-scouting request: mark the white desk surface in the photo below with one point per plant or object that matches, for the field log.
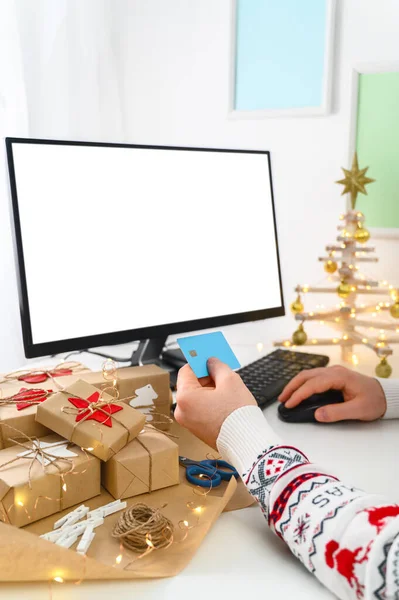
(240, 556)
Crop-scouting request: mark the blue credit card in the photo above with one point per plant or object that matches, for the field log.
(197, 349)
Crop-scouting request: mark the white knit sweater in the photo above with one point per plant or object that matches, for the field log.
(349, 539)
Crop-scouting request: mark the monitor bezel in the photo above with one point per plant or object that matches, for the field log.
(33, 350)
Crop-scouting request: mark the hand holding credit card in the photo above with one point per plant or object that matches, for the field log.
(197, 349)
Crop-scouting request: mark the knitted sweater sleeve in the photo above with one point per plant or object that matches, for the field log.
(391, 391)
(347, 538)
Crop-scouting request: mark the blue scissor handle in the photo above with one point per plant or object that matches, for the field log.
(220, 465)
(212, 479)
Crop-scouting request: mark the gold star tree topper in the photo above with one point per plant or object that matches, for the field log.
(355, 181)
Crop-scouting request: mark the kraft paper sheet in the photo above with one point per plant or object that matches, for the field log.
(26, 557)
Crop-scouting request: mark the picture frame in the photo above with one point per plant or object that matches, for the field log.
(356, 116)
(326, 43)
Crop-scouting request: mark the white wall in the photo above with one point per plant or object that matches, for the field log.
(176, 92)
(174, 61)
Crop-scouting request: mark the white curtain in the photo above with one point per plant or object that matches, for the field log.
(60, 78)
(13, 121)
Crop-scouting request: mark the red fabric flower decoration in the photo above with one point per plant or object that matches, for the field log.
(42, 376)
(30, 397)
(97, 415)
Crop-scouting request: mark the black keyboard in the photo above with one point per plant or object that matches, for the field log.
(267, 377)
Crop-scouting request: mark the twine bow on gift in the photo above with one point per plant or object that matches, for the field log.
(37, 375)
(96, 408)
(25, 398)
(93, 408)
(45, 454)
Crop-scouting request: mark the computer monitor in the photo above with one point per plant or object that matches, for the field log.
(118, 242)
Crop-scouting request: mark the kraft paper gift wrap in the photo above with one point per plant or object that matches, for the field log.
(30, 491)
(148, 463)
(60, 415)
(24, 420)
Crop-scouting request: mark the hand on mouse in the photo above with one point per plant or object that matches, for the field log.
(364, 396)
(203, 405)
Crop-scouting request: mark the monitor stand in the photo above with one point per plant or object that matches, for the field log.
(151, 352)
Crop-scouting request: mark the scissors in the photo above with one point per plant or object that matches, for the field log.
(214, 470)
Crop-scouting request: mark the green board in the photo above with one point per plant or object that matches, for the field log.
(377, 144)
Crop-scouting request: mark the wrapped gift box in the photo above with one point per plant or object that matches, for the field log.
(19, 416)
(33, 488)
(102, 430)
(151, 456)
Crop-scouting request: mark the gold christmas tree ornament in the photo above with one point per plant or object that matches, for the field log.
(367, 311)
(355, 181)
(362, 235)
(297, 306)
(330, 266)
(394, 310)
(299, 336)
(344, 289)
(383, 369)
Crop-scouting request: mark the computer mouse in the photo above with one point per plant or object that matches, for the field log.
(304, 412)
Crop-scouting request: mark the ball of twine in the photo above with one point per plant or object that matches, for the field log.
(141, 527)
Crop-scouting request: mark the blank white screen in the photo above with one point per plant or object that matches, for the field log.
(124, 238)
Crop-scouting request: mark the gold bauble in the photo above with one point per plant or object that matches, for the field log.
(394, 310)
(362, 235)
(344, 289)
(330, 266)
(297, 306)
(383, 369)
(299, 336)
